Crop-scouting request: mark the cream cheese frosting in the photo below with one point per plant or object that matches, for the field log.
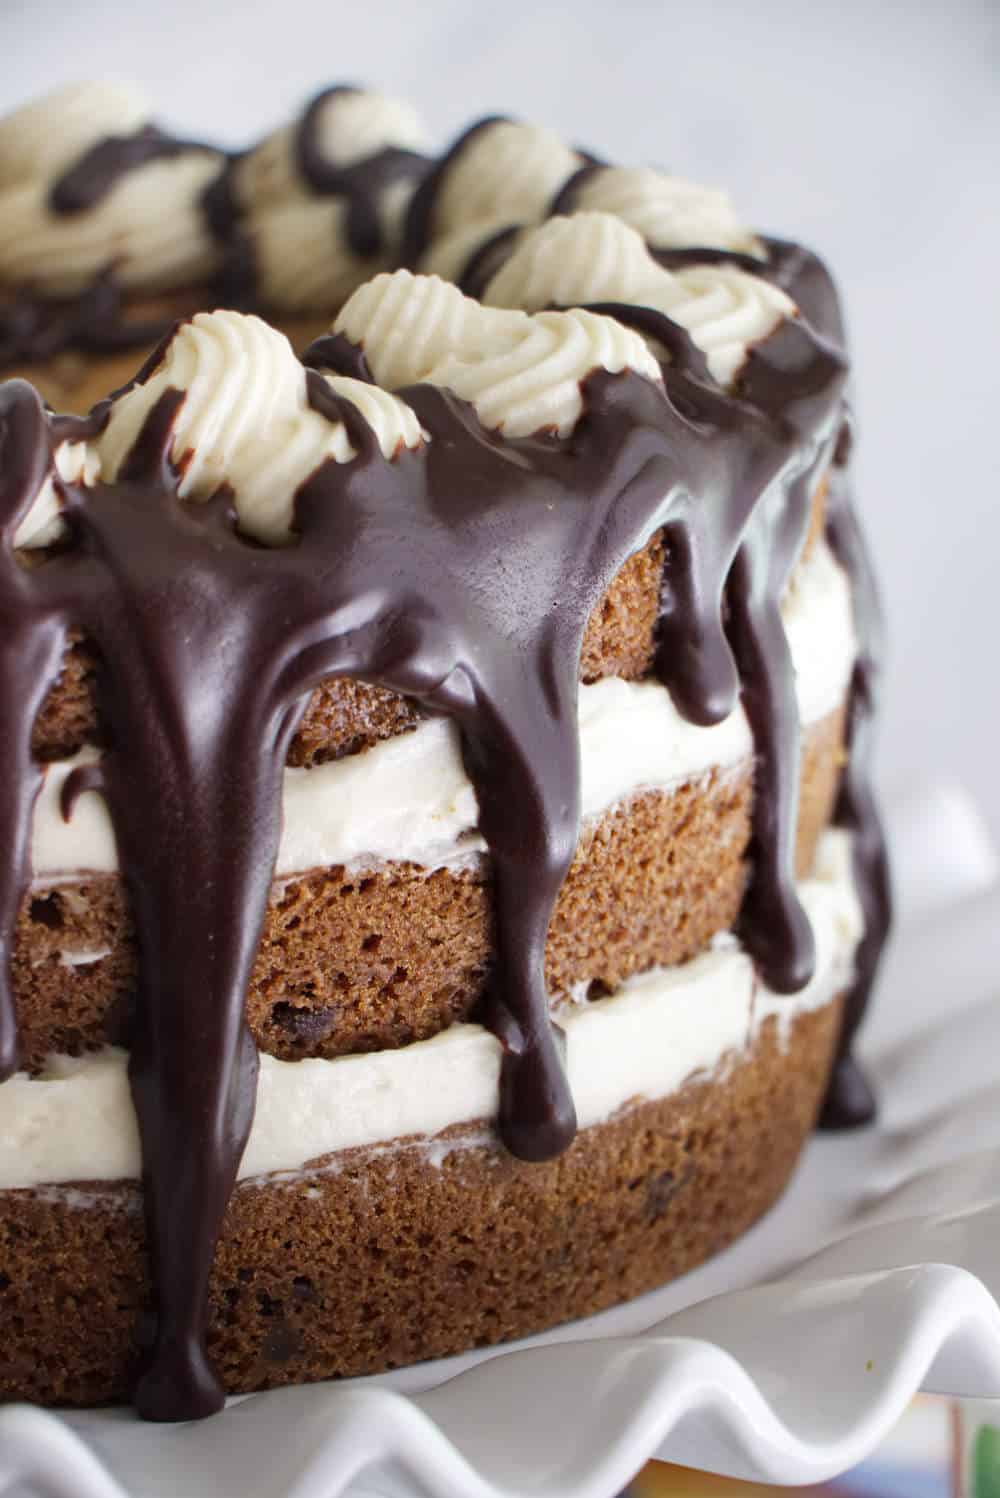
(302, 254)
(75, 1122)
(349, 125)
(669, 212)
(149, 228)
(505, 172)
(408, 799)
(521, 373)
(245, 421)
(153, 231)
(300, 238)
(450, 255)
(74, 463)
(43, 137)
(596, 257)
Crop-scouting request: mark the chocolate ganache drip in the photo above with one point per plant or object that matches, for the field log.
(849, 1101)
(787, 383)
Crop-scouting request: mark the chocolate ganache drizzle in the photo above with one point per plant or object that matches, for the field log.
(419, 226)
(95, 321)
(849, 1101)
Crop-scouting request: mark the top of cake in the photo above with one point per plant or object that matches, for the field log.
(537, 363)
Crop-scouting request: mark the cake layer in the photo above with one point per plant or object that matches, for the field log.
(379, 1258)
(74, 1122)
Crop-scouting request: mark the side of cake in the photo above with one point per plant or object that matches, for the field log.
(442, 863)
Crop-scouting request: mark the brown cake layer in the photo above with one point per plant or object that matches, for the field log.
(390, 1258)
(373, 961)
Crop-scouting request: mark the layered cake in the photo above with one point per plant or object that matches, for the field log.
(441, 883)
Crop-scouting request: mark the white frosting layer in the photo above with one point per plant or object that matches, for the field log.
(595, 257)
(76, 1122)
(408, 799)
(521, 373)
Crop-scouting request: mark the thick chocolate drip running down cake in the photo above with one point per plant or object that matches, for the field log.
(460, 572)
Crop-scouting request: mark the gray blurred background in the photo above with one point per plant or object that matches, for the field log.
(871, 131)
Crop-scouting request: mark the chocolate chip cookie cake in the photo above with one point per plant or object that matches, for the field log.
(441, 883)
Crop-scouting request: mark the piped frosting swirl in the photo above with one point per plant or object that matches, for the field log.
(669, 212)
(303, 255)
(149, 230)
(42, 525)
(596, 258)
(349, 125)
(43, 137)
(246, 421)
(521, 373)
(504, 172)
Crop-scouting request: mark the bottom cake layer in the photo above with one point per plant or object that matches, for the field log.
(383, 1256)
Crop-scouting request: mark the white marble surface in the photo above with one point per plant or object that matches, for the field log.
(869, 130)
